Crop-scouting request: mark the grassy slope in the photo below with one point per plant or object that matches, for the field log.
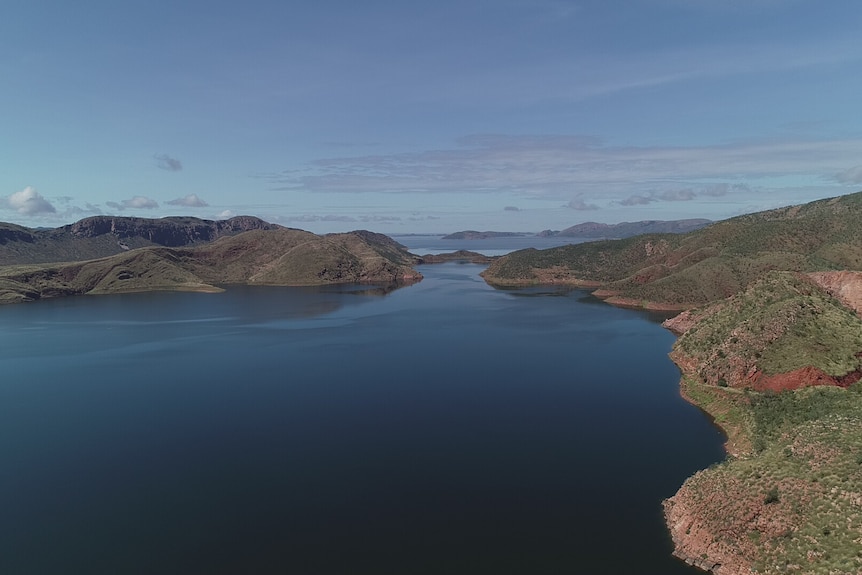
(781, 323)
(702, 266)
(794, 504)
(789, 500)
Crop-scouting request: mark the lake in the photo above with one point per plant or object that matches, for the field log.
(443, 428)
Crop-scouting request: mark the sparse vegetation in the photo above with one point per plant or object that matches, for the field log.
(265, 257)
(706, 265)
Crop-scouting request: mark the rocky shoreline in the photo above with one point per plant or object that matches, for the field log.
(725, 521)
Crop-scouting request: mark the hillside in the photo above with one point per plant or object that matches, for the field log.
(278, 256)
(771, 347)
(778, 366)
(102, 236)
(679, 271)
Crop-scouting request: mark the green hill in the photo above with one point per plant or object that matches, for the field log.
(685, 270)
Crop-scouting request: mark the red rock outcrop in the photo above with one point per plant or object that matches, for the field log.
(803, 377)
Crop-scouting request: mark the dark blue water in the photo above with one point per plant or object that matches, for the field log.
(445, 428)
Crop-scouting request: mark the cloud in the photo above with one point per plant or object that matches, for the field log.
(166, 162)
(677, 195)
(580, 205)
(305, 218)
(372, 218)
(511, 209)
(135, 203)
(550, 166)
(715, 190)
(28, 202)
(189, 201)
(851, 176)
(637, 200)
(225, 215)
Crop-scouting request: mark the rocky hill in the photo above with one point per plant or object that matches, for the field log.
(679, 271)
(277, 256)
(778, 366)
(101, 236)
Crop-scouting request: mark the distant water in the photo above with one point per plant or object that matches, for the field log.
(445, 428)
(435, 244)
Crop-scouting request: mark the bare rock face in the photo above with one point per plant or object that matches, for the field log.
(710, 518)
(13, 233)
(103, 236)
(168, 232)
(846, 286)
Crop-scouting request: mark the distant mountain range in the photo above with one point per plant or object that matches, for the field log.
(594, 230)
(474, 235)
(628, 229)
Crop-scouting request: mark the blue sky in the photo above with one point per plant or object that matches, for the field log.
(427, 117)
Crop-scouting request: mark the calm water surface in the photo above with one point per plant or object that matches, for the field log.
(445, 428)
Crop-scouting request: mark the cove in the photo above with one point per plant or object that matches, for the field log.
(445, 427)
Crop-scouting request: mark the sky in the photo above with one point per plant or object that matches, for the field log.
(426, 117)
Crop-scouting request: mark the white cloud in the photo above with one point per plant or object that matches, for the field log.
(135, 203)
(189, 201)
(28, 202)
(225, 215)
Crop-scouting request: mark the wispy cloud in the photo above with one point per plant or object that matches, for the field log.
(28, 202)
(637, 200)
(135, 203)
(551, 166)
(189, 201)
(580, 205)
(850, 176)
(682, 195)
(166, 162)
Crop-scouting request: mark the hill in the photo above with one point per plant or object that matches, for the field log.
(679, 271)
(778, 366)
(102, 236)
(278, 256)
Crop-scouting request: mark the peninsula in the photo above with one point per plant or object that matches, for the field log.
(137, 254)
(771, 347)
